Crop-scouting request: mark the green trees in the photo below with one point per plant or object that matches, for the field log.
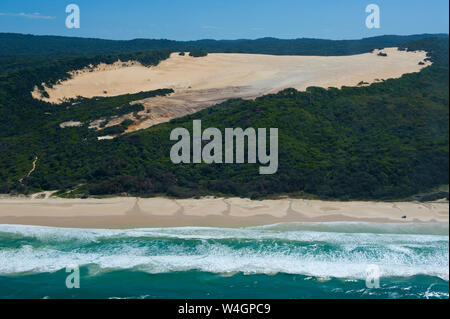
(198, 53)
(383, 141)
(23, 46)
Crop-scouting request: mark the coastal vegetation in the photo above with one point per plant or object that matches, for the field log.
(388, 140)
(198, 53)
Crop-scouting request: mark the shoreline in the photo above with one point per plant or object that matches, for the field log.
(133, 212)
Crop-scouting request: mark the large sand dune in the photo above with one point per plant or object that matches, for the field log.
(202, 82)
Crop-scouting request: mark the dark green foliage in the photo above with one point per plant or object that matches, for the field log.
(20, 45)
(112, 130)
(127, 123)
(198, 53)
(116, 129)
(432, 196)
(383, 141)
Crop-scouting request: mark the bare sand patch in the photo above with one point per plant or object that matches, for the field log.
(201, 82)
(394, 211)
(203, 207)
(242, 207)
(70, 124)
(159, 207)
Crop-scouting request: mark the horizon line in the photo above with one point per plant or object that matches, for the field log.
(240, 39)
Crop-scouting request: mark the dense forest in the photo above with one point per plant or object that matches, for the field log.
(388, 140)
(21, 113)
(21, 45)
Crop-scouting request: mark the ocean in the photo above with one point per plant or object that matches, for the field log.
(295, 260)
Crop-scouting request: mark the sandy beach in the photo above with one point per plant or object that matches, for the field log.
(129, 212)
(202, 82)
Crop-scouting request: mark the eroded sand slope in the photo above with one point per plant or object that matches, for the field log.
(202, 82)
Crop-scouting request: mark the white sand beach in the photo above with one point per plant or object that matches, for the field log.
(130, 212)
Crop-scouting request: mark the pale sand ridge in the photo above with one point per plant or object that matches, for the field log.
(201, 82)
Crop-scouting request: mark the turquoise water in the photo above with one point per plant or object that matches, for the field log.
(298, 260)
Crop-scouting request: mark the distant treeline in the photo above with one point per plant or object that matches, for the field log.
(16, 45)
(388, 140)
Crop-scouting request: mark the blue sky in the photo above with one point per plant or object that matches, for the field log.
(230, 19)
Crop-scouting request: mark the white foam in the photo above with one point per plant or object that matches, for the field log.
(305, 232)
(254, 250)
